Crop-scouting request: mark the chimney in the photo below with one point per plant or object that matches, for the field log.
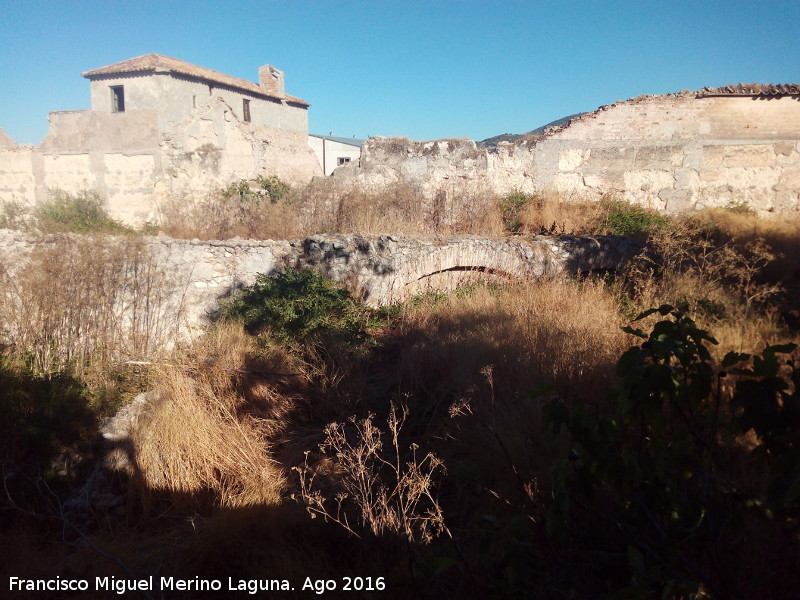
(271, 79)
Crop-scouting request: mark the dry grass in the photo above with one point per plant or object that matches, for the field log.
(392, 492)
(325, 206)
(559, 213)
(236, 412)
(215, 216)
(207, 441)
(474, 367)
(90, 299)
(564, 335)
(400, 208)
(720, 266)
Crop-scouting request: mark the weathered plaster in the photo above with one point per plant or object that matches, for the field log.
(677, 152)
(177, 137)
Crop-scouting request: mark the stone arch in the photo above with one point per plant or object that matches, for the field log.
(445, 267)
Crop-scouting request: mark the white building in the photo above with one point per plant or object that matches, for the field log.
(333, 151)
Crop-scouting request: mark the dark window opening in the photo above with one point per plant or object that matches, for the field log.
(117, 98)
(246, 110)
(342, 160)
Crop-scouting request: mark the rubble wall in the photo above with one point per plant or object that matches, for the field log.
(381, 270)
(673, 153)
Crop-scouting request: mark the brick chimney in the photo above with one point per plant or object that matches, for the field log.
(271, 79)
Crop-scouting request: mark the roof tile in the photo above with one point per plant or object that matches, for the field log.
(159, 63)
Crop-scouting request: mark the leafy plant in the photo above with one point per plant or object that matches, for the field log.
(654, 485)
(511, 208)
(270, 187)
(241, 191)
(13, 215)
(81, 213)
(300, 309)
(275, 188)
(631, 220)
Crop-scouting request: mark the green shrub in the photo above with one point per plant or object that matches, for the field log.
(511, 209)
(269, 187)
(301, 310)
(274, 187)
(13, 215)
(659, 488)
(80, 213)
(631, 220)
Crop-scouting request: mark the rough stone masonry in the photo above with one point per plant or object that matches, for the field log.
(732, 146)
(381, 270)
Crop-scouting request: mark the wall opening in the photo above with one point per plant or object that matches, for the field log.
(117, 98)
(246, 110)
(342, 160)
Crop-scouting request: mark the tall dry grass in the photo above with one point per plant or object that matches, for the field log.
(77, 300)
(723, 268)
(564, 335)
(207, 441)
(475, 368)
(559, 213)
(324, 205)
(214, 216)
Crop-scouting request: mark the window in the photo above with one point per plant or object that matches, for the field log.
(117, 98)
(246, 110)
(342, 160)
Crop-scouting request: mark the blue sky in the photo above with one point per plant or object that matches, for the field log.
(425, 70)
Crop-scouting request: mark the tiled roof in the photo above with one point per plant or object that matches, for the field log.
(753, 89)
(158, 63)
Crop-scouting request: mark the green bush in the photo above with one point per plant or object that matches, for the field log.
(511, 209)
(269, 187)
(13, 215)
(301, 310)
(80, 213)
(660, 491)
(274, 187)
(631, 220)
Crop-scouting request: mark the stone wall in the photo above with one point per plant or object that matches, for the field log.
(381, 269)
(193, 144)
(673, 153)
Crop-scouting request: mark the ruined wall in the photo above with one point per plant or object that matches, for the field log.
(381, 269)
(673, 153)
(136, 161)
(6, 143)
(681, 152)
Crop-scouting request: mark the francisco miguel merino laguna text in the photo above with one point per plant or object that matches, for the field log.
(121, 586)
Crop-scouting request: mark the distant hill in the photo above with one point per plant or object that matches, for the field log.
(513, 137)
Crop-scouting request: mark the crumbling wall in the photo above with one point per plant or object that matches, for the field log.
(381, 269)
(17, 180)
(452, 176)
(681, 152)
(6, 143)
(135, 166)
(674, 153)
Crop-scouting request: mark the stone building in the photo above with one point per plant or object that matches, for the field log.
(159, 129)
